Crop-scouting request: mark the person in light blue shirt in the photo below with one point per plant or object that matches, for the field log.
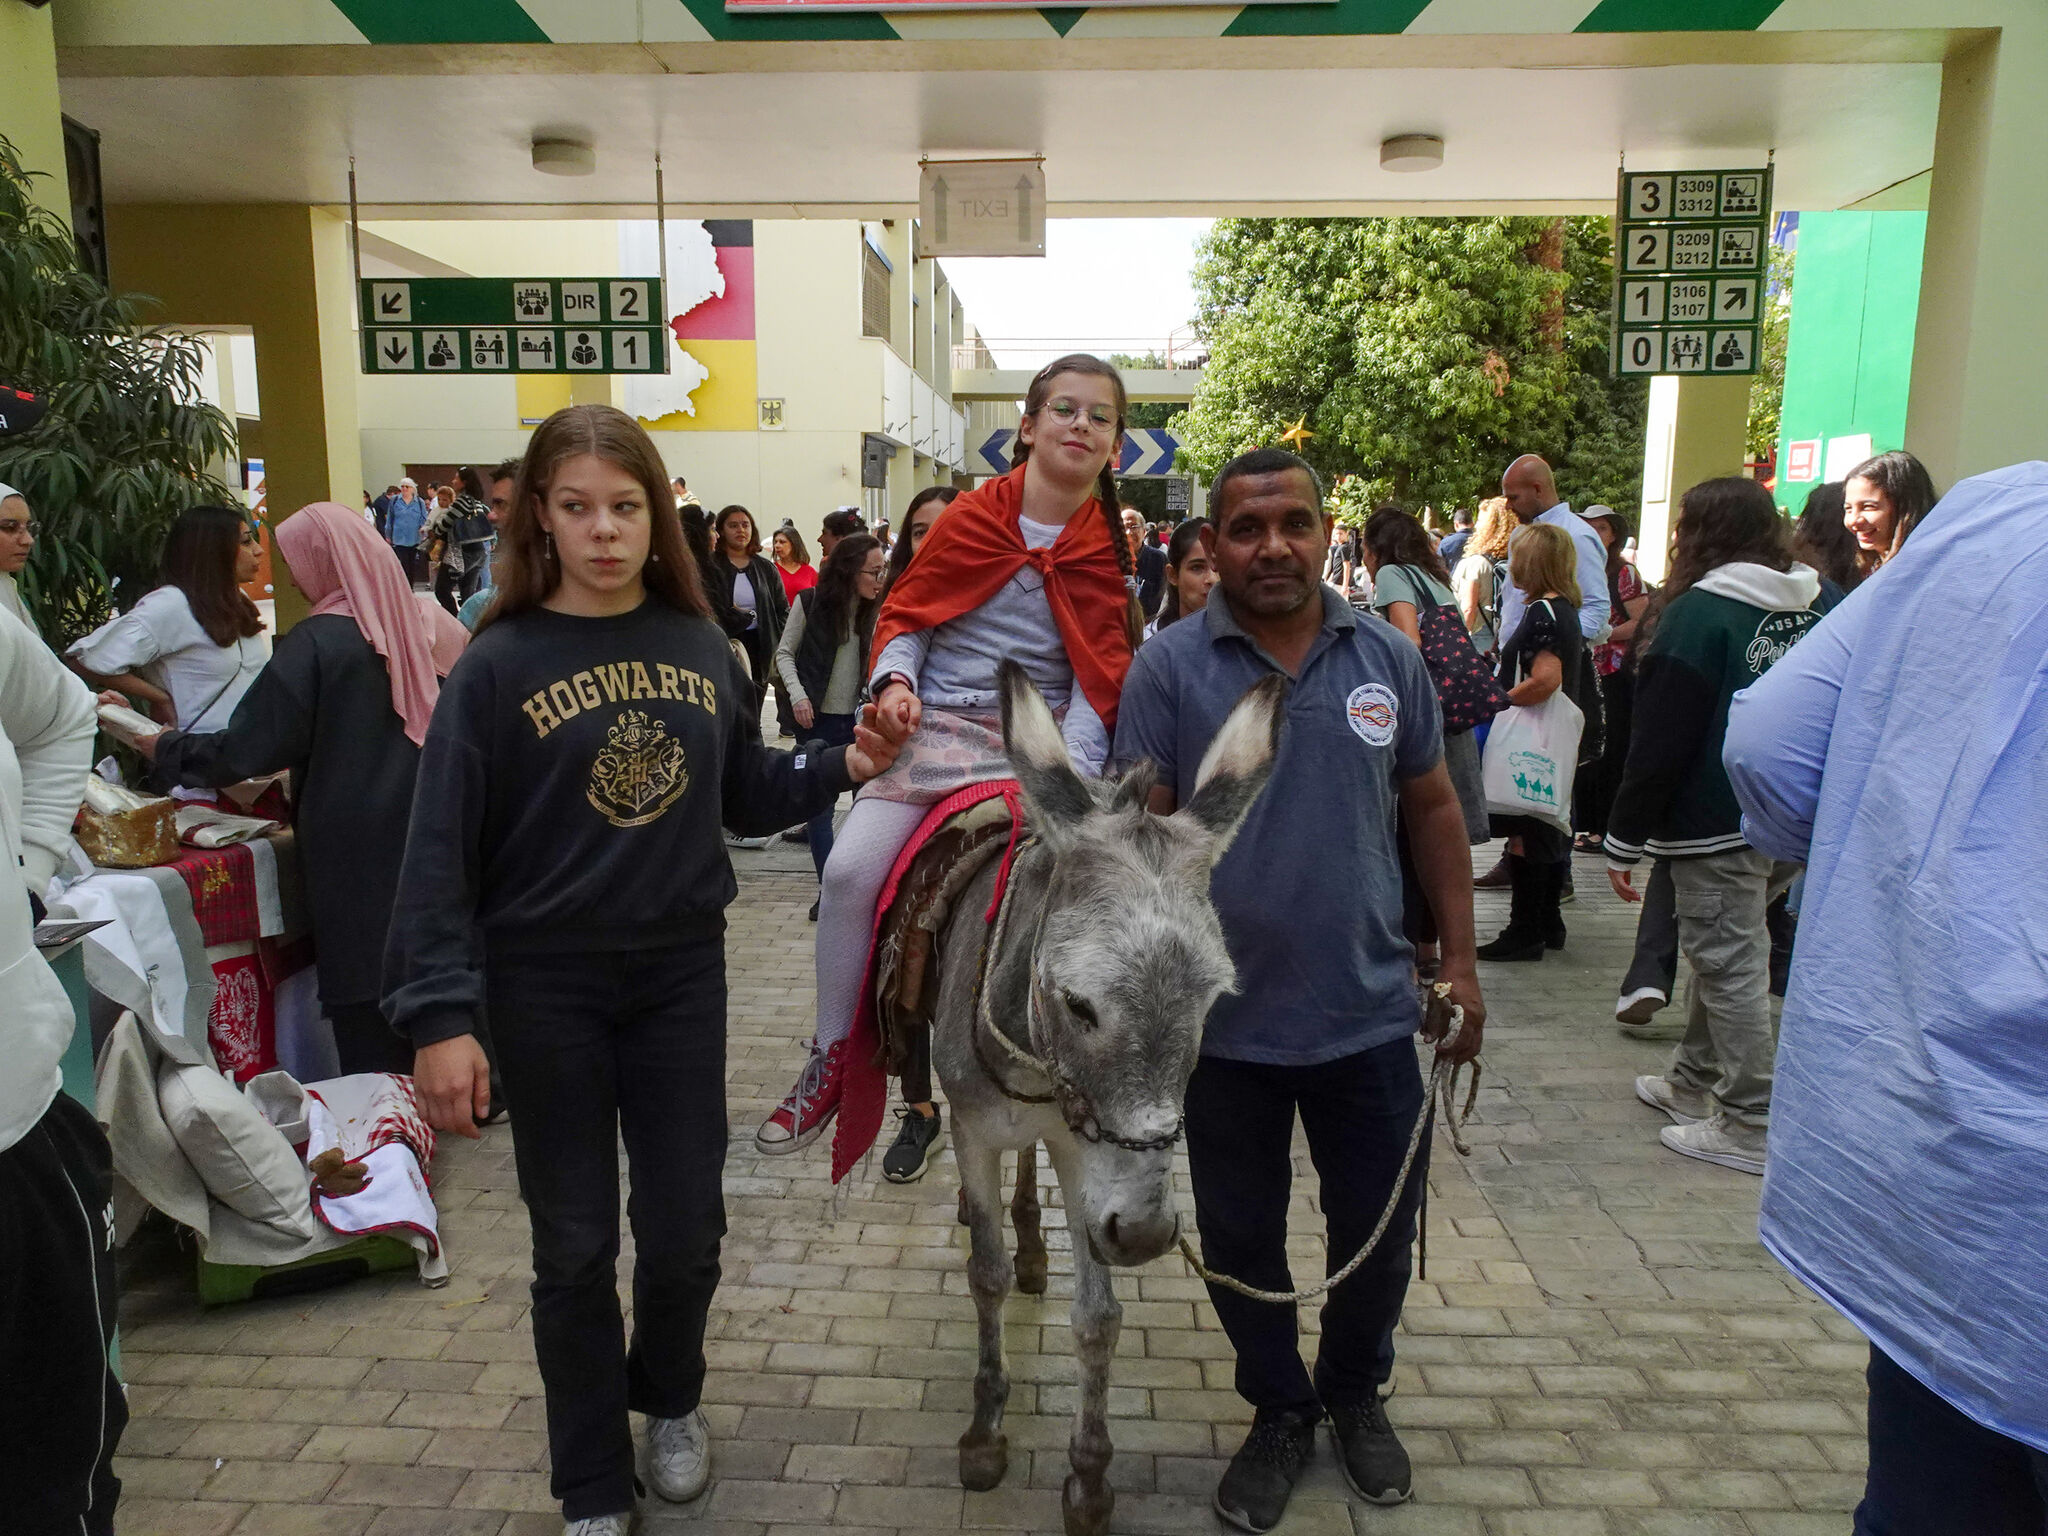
(405, 519)
(1532, 496)
(1898, 750)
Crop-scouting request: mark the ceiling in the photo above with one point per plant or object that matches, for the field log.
(1125, 142)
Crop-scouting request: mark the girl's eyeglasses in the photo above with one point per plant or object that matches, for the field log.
(1064, 411)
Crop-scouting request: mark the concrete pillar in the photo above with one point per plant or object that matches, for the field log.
(1698, 429)
(1977, 400)
(282, 271)
(30, 117)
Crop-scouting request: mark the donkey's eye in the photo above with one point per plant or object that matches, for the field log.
(1082, 1012)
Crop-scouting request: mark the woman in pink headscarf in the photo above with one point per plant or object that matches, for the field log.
(344, 705)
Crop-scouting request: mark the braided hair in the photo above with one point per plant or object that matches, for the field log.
(1105, 482)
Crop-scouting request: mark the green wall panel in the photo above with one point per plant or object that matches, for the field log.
(1346, 18)
(1849, 359)
(442, 21)
(1678, 15)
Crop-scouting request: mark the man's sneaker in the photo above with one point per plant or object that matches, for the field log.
(1685, 1106)
(600, 1525)
(1717, 1139)
(1638, 1007)
(1568, 894)
(800, 834)
(679, 1456)
(917, 1142)
(734, 840)
(1375, 1462)
(1255, 1488)
(811, 1104)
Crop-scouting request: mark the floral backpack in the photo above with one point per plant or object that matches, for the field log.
(1465, 685)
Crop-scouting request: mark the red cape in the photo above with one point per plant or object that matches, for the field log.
(975, 547)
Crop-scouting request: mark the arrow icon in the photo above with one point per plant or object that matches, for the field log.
(394, 352)
(388, 303)
(939, 190)
(997, 450)
(1024, 209)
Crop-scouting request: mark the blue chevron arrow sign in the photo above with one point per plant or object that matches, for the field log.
(1147, 452)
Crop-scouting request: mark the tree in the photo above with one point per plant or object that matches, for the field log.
(1767, 393)
(1422, 353)
(127, 441)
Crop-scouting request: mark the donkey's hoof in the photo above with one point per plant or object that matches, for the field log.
(960, 1206)
(983, 1462)
(1085, 1509)
(1031, 1274)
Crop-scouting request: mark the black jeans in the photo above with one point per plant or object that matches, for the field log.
(364, 1040)
(593, 1046)
(1594, 789)
(833, 731)
(1934, 1471)
(1358, 1112)
(61, 1410)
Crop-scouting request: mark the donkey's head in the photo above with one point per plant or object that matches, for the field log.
(1131, 955)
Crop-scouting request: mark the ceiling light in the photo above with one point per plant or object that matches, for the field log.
(1411, 152)
(563, 157)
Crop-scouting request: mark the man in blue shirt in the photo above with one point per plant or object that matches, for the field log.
(1452, 548)
(1532, 496)
(404, 520)
(1325, 1007)
(1897, 749)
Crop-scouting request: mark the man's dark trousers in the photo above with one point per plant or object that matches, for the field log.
(1934, 1471)
(1358, 1112)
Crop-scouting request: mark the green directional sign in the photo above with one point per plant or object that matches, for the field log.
(419, 301)
(516, 349)
(1691, 265)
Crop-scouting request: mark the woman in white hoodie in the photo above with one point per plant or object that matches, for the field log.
(56, 1174)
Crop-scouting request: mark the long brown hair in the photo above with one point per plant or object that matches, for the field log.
(527, 572)
(1105, 483)
(199, 560)
(1395, 538)
(1721, 522)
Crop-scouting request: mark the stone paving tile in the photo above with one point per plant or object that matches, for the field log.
(1599, 1347)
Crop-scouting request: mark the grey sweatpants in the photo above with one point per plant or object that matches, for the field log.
(1729, 1045)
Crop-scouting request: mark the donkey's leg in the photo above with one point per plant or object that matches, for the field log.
(985, 1449)
(1024, 1217)
(1087, 1500)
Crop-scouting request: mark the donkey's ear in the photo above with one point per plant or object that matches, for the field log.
(1056, 795)
(1238, 763)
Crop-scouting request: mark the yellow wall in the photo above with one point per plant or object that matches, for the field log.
(29, 113)
(283, 271)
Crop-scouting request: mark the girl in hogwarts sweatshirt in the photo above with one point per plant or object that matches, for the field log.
(566, 830)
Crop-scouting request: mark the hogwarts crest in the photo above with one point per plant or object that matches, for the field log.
(639, 773)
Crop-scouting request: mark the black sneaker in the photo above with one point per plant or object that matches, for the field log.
(1255, 1488)
(1374, 1460)
(917, 1142)
(796, 834)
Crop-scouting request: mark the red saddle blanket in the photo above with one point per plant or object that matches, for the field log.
(901, 943)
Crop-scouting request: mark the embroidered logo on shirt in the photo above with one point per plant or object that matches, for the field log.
(1373, 713)
(639, 773)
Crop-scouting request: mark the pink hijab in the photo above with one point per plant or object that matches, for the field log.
(343, 567)
(445, 634)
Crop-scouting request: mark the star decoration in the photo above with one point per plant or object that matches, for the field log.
(1298, 434)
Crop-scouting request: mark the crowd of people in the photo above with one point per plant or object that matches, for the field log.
(542, 795)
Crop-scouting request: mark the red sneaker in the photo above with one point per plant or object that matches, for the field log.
(802, 1117)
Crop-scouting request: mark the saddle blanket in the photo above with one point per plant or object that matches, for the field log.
(953, 844)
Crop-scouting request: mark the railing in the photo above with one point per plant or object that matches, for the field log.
(1182, 350)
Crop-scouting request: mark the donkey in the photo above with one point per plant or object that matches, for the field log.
(1076, 1021)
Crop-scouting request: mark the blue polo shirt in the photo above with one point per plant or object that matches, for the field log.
(1310, 892)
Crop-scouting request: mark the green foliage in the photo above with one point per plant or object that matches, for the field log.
(1767, 391)
(1424, 354)
(128, 440)
(1145, 413)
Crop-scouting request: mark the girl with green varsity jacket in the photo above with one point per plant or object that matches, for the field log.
(566, 871)
(1734, 603)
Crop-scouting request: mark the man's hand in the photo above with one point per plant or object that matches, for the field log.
(146, 745)
(454, 1084)
(805, 715)
(897, 713)
(1623, 881)
(873, 750)
(1464, 984)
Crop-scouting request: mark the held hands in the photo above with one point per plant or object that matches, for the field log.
(1464, 984)
(873, 749)
(454, 1084)
(897, 713)
(1623, 881)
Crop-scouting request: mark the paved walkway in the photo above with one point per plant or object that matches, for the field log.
(1601, 1347)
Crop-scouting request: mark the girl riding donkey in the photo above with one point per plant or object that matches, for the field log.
(1033, 568)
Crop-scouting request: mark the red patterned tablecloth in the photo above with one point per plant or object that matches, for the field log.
(223, 886)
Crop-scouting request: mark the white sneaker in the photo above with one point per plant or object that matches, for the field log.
(1684, 1105)
(599, 1525)
(734, 840)
(1638, 1006)
(1717, 1139)
(679, 1456)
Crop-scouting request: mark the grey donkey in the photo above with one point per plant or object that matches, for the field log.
(1099, 972)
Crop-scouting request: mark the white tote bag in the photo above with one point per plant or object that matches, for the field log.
(1530, 755)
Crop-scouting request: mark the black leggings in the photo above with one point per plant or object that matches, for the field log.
(592, 1047)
